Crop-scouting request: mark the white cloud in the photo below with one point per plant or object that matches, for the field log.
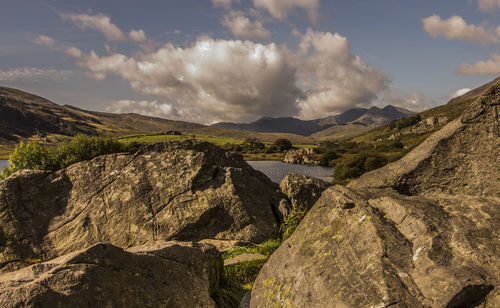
(489, 67)
(280, 9)
(44, 40)
(212, 80)
(488, 5)
(99, 22)
(414, 102)
(33, 73)
(242, 27)
(148, 108)
(459, 92)
(137, 35)
(455, 28)
(336, 79)
(73, 51)
(227, 4)
(103, 24)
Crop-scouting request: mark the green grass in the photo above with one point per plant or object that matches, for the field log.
(267, 248)
(148, 139)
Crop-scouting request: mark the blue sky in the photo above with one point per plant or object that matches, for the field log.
(222, 60)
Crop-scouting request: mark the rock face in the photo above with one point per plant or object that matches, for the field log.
(434, 244)
(302, 191)
(377, 248)
(304, 156)
(427, 125)
(179, 190)
(461, 158)
(171, 274)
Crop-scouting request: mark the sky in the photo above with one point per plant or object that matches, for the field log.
(208, 61)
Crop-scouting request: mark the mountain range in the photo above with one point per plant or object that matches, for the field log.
(355, 119)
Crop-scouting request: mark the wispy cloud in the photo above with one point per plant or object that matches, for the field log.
(241, 26)
(103, 24)
(33, 74)
(280, 9)
(488, 5)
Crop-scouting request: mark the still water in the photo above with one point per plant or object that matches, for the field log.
(277, 170)
(3, 163)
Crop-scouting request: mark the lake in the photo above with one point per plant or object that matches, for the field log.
(3, 163)
(277, 170)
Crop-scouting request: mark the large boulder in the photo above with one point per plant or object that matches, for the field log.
(306, 156)
(378, 248)
(461, 158)
(172, 274)
(168, 191)
(302, 191)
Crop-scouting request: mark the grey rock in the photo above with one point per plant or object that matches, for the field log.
(461, 158)
(302, 191)
(169, 191)
(171, 274)
(378, 248)
(306, 156)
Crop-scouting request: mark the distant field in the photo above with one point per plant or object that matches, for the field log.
(159, 138)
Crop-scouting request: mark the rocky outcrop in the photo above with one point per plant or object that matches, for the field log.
(171, 274)
(169, 191)
(302, 191)
(461, 158)
(377, 248)
(427, 125)
(306, 156)
(434, 245)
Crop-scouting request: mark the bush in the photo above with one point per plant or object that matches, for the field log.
(405, 122)
(327, 157)
(291, 222)
(35, 156)
(357, 165)
(282, 145)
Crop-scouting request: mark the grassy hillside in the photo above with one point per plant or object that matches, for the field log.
(356, 155)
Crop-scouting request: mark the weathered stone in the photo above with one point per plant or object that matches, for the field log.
(377, 248)
(179, 190)
(171, 274)
(461, 158)
(427, 125)
(302, 191)
(306, 156)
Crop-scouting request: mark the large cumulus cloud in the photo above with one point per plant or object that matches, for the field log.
(335, 78)
(211, 80)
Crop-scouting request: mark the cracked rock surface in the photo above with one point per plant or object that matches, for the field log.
(170, 274)
(419, 232)
(168, 191)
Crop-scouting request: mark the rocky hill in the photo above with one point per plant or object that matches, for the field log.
(24, 115)
(420, 232)
(361, 118)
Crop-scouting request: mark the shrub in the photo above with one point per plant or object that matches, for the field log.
(327, 157)
(405, 122)
(32, 155)
(357, 165)
(283, 145)
(290, 223)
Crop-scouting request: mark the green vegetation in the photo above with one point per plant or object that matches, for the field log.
(405, 122)
(357, 165)
(32, 155)
(292, 221)
(266, 249)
